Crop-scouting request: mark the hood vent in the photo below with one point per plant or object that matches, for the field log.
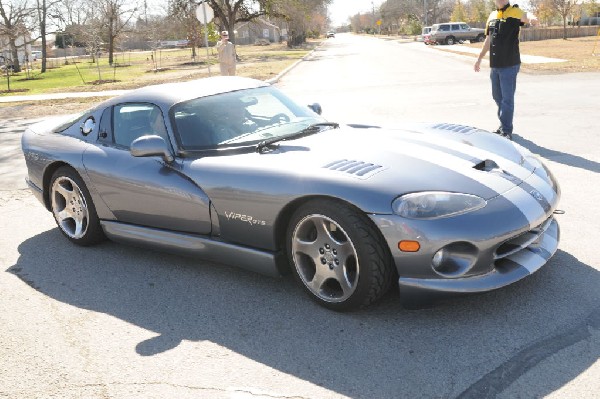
(355, 168)
(456, 128)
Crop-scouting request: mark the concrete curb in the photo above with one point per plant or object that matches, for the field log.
(294, 65)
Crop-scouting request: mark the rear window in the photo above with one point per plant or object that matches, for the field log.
(444, 28)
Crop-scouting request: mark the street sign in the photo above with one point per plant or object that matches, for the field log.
(378, 22)
(203, 9)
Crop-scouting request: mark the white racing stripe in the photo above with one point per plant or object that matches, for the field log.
(527, 259)
(532, 261)
(520, 198)
(529, 206)
(456, 164)
(476, 152)
(550, 239)
(543, 187)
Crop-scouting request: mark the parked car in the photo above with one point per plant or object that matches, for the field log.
(36, 55)
(454, 32)
(424, 32)
(231, 170)
(330, 34)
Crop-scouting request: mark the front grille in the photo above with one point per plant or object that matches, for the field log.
(522, 241)
(356, 168)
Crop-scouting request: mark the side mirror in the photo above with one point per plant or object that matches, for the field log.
(148, 146)
(316, 107)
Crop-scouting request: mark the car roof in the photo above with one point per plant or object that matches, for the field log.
(168, 94)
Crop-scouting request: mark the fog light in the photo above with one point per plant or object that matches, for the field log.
(438, 259)
(409, 246)
(455, 259)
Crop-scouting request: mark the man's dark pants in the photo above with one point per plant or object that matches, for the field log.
(504, 84)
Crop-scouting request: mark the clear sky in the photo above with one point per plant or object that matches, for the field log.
(340, 10)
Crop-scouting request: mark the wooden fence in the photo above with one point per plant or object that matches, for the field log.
(533, 34)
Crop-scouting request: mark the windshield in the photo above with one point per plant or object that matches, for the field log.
(239, 118)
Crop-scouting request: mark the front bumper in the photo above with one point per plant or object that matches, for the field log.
(521, 262)
(513, 236)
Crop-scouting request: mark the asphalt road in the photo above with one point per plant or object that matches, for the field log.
(114, 321)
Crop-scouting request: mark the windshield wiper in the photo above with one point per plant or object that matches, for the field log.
(307, 131)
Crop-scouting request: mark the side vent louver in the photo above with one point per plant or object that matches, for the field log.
(455, 128)
(355, 168)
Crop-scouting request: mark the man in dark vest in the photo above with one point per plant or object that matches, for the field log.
(502, 41)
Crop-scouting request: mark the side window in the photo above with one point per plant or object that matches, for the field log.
(134, 120)
(445, 28)
(464, 27)
(105, 131)
(455, 27)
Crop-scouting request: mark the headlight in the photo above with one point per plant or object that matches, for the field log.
(436, 204)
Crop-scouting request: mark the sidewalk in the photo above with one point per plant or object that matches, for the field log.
(525, 59)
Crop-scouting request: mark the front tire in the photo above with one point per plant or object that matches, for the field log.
(73, 209)
(338, 255)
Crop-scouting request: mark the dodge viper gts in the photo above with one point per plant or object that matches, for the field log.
(232, 170)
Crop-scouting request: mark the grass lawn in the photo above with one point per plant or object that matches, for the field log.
(577, 51)
(136, 69)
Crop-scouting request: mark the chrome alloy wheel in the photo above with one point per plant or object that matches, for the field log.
(69, 207)
(325, 258)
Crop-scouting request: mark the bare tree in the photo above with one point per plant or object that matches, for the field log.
(16, 16)
(184, 13)
(230, 12)
(43, 8)
(306, 17)
(116, 15)
(563, 8)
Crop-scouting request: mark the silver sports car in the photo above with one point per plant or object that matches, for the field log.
(231, 170)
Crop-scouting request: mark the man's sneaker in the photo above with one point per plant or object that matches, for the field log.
(500, 132)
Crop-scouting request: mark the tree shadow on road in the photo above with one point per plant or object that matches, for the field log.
(382, 352)
(558, 156)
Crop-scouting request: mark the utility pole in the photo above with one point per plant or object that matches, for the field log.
(425, 11)
(373, 8)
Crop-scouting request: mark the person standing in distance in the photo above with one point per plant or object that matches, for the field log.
(226, 51)
(502, 41)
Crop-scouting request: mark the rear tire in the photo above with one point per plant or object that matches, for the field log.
(73, 209)
(450, 40)
(338, 255)
(481, 38)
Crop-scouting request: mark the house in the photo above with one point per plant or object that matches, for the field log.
(259, 29)
(23, 48)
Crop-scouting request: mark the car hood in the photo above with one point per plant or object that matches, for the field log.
(395, 161)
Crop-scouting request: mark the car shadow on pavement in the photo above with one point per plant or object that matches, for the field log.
(559, 156)
(474, 347)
